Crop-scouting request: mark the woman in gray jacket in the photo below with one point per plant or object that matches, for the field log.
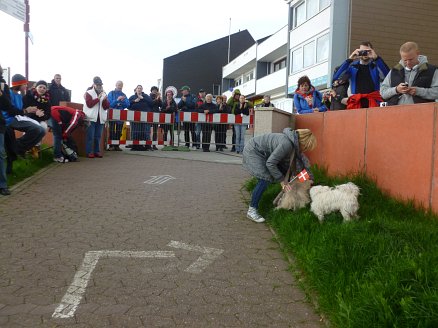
(270, 157)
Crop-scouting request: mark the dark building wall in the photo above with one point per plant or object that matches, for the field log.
(201, 67)
(390, 23)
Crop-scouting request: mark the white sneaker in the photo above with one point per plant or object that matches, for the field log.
(254, 215)
(60, 160)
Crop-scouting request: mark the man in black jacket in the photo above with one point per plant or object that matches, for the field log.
(57, 91)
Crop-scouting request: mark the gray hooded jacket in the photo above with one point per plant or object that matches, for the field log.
(427, 93)
(267, 157)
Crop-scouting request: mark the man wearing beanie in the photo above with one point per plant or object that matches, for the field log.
(15, 119)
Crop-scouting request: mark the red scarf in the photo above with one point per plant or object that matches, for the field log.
(44, 98)
(308, 96)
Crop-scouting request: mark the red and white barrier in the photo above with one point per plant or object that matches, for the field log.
(136, 116)
(215, 118)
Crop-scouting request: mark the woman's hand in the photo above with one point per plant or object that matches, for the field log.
(285, 186)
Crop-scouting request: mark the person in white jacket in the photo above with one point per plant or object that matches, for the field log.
(95, 109)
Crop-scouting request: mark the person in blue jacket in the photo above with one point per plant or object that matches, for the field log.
(365, 70)
(188, 104)
(307, 99)
(142, 102)
(118, 100)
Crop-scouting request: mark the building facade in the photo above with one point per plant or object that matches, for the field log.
(320, 35)
(201, 67)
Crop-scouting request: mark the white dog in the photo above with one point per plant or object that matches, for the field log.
(341, 198)
(298, 197)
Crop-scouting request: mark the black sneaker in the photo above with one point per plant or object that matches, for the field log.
(4, 191)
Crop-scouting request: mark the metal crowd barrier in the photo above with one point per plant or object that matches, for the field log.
(132, 128)
(202, 130)
(141, 128)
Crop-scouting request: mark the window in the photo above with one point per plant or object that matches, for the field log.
(249, 76)
(297, 60)
(322, 48)
(300, 14)
(309, 54)
(280, 64)
(307, 9)
(312, 8)
(323, 4)
(238, 81)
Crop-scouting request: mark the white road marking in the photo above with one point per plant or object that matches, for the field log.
(159, 179)
(208, 256)
(74, 294)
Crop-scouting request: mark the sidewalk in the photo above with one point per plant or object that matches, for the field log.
(143, 239)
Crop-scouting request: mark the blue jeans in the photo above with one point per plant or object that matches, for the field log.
(57, 138)
(3, 179)
(240, 136)
(198, 129)
(33, 133)
(258, 192)
(94, 134)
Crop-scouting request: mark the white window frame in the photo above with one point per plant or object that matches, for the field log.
(313, 40)
(306, 14)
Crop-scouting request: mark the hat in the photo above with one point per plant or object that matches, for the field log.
(97, 80)
(237, 92)
(154, 88)
(41, 82)
(171, 89)
(18, 80)
(185, 88)
(201, 90)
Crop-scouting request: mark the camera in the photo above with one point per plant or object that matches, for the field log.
(405, 84)
(363, 52)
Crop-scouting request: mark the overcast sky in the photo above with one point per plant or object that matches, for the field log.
(124, 40)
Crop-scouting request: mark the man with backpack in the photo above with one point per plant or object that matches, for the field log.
(64, 121)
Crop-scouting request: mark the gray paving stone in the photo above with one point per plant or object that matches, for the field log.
(104, 204)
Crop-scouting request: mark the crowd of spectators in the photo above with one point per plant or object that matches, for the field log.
(364, 80)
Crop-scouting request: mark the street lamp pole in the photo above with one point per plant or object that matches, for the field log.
(26, 39)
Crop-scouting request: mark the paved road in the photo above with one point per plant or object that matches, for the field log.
(100, 243)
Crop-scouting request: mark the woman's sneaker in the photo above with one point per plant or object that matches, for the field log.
(60, 160)
(254, 215)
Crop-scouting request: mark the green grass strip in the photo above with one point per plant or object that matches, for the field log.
(24, 168)
(379, 271)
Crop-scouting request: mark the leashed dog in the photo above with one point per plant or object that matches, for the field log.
(294, 199)
(341, 198)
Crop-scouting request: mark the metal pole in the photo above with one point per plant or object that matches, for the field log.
(26, 39)
(229, 40)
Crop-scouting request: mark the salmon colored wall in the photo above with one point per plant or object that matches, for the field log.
(393, 145)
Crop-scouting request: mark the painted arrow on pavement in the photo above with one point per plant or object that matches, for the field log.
(207, 257)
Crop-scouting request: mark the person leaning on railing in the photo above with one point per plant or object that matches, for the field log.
(220, 130)
(243, 108)
(188, 104)
(169, 107)
(208, 107)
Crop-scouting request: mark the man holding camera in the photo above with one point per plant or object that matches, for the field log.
(413, 80)
(365, 70)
